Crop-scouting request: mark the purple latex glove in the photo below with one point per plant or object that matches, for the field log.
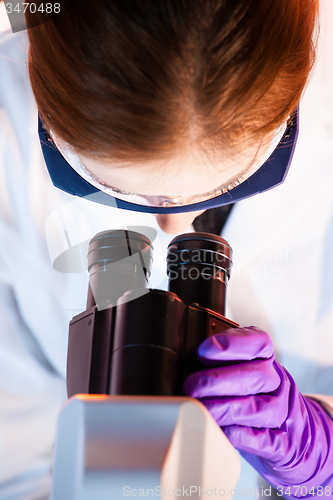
(285, 436)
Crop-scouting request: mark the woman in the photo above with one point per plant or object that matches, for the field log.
(172, 88)
(169, 106)
(180, 102)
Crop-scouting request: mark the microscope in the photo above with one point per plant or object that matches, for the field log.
(128, 429)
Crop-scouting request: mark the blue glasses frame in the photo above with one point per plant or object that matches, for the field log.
(271, 174)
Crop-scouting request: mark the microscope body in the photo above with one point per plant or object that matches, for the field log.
(153, 341)
(144, 342)
(126, 428)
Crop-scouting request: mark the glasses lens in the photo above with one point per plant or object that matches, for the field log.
(159, 201)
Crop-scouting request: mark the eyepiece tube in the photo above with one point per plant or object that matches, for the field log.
(118, 261)
(198, 266)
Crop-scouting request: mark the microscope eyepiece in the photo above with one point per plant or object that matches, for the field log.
(118, 261)
(198, 266)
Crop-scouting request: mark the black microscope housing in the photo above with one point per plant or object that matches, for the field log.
(139, 341)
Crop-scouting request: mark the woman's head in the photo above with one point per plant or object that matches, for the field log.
(186, 92)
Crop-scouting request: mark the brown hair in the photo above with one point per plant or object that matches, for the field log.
(132, 79)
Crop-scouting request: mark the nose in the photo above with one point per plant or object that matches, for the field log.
(176, 223)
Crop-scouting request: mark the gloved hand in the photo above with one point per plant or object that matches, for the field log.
(285, 436)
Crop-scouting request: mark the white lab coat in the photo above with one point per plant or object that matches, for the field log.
(281, 281)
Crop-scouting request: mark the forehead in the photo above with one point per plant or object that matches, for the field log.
(192, 174)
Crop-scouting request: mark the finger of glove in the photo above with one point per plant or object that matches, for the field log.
(235, 344)
(293, 436)
(241, 379)
(260, 411)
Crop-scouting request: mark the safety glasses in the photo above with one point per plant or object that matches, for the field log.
(272, 173)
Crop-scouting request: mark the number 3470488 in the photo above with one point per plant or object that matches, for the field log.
(49, 8)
